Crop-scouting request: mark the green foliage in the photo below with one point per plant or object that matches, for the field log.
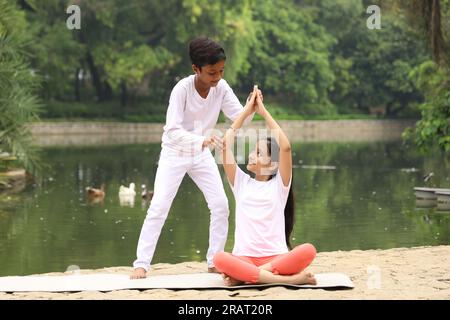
(312, 58)
(231, 23)
(18, 103)
(434, 127)
(381, 61)
(144, 110)
(130, 63)
(432, 78)
(57, 56)
(302, 53)
(290, 57)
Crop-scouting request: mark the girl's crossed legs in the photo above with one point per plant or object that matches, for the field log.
(284, 268)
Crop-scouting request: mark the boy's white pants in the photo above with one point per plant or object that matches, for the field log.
(204, 172)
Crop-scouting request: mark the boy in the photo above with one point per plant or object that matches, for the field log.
(194, 107)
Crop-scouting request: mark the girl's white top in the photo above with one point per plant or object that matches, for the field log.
(259, 230)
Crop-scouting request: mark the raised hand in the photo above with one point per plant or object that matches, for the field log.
(260, 108)
(251, 104)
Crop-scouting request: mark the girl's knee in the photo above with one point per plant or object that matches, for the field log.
(311, 250)
(307, 249)
(219, 259)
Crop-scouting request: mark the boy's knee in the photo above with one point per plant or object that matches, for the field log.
(158, 210)
(219, 203)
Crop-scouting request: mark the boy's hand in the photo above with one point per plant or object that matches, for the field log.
(214, 142)
(251, 103)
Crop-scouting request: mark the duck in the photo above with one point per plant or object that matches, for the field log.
(147, 195)
(95, 196)
(96, 193)
(127, 195)
(127, 191)
(428, 176)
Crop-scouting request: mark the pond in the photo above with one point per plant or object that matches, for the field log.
(348, 196)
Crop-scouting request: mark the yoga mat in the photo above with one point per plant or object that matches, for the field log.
(110, 282)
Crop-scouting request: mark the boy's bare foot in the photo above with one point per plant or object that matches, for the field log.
(139, 273)
(213, 270)
(231, 282)
(304, 278)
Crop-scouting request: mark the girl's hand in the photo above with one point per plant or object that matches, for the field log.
(260, 108)
(250, 106)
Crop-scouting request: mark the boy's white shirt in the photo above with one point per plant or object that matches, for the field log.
(190, 117)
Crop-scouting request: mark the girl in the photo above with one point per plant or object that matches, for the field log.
(264, 211)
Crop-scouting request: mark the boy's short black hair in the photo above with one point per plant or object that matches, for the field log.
(203, 51)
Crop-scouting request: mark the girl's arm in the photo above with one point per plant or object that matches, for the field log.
(229, 163)
(285, 165)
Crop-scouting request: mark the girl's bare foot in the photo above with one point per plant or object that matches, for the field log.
(304, 278)
(138, 273)
(231, 282)
(213, 270)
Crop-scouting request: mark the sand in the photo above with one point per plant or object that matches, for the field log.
(394, 274)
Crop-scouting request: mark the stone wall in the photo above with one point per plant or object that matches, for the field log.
(93, 133)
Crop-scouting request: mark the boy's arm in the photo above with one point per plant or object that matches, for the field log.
(174, 119)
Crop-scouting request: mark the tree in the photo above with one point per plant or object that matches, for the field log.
(382, 61)
(18, 83)
(433, 129)
(433, 79)
(371, 67)
(290, 57)
(55, 53)
(134, 48)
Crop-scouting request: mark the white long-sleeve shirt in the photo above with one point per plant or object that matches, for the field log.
(190, 118)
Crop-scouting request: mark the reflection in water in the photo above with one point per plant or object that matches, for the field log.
(350, 196)
(425, 203)
(427, 219)
(126, 200)
(95, 201)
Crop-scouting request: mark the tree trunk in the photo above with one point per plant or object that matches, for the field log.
(95, 76)
(107, 92)
(103, 89)
(123, 94)
(77, 85)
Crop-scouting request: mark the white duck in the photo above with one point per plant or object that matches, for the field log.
(126, 195)
(130, 191)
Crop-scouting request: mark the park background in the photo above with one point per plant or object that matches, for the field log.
(86, 107)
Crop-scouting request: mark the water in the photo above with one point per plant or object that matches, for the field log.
(365, 202)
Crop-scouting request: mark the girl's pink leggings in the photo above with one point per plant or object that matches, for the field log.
(246, 268)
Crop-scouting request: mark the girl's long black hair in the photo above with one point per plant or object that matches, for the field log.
(289, 209)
